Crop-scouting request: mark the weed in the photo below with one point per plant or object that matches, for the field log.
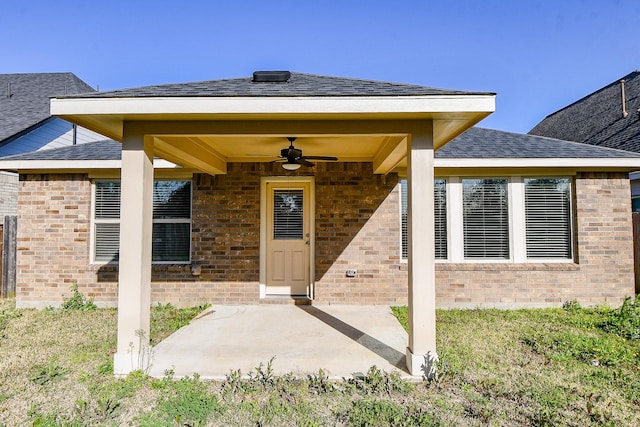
(378, 381)
(77, 301)
(571, 305)
(46, 373)
(319, 383)
(265, 378)
(626, 320)
(103, 410)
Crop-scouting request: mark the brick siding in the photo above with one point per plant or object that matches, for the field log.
(357, 227)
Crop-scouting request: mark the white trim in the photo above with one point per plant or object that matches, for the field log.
(263, 229)
(75, 164)
(455, 220)
(574, 163)
(484, 103)
(517, 221)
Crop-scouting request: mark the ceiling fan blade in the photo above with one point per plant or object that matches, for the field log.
(304, 162)
(327, 158)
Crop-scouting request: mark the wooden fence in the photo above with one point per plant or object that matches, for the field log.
(636, 248)
(8, 250)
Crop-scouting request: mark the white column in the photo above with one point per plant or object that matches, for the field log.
(421, 353)
(134, 281)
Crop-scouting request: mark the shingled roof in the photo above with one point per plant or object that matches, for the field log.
(598, 119)
(476, 143)
(481, 143)
(299, 84)
(24, 98)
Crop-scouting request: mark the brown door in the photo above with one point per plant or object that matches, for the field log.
(288, 238)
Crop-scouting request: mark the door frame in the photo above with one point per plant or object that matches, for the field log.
(263, 227)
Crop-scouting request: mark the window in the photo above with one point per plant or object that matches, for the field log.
(485, 218)
(440, 218)
(171, 240)
(510, 219)
(548, 217)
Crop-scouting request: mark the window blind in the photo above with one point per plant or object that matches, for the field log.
(107, 199)
(288, 218)
(440, 218)
(485, 218)
(171, 239)
(548, 217)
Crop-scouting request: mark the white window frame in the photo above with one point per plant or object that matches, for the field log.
(517, 221)
(94, 221)
(401, 201)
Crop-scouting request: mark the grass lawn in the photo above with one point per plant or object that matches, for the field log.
(570, 366)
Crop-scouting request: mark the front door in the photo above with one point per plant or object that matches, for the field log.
(288, 238)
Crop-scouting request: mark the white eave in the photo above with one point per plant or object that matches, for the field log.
(602, 163)
(274, 105)
(54, 165)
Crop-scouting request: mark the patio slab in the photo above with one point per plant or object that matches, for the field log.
(342, 340)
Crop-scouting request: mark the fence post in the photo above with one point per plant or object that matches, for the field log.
(636, 248)
(9, 256)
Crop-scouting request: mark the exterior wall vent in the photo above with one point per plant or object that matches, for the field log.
(271, 76)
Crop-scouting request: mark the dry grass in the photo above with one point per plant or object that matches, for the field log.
(501, 368)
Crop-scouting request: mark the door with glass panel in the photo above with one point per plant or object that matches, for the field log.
(288, 238)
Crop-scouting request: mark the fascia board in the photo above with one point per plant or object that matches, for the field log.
(576, 163)
(273, 105)
(24, 165)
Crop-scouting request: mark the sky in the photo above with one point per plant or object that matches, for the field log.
(538, 56)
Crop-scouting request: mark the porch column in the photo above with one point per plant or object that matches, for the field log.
(134, 281)
(421, 353)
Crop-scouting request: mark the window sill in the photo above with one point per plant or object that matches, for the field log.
(505, 266)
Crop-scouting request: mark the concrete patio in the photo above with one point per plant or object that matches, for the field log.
(342, 340)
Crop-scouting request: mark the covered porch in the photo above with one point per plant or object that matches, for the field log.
(203, 127)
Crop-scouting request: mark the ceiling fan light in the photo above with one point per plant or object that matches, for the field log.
(290, 166)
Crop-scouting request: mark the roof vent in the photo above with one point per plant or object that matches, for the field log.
(271, 76)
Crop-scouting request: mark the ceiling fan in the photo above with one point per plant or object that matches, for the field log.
(293, 158)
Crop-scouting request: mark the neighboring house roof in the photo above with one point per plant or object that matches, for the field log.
(475, 147)
(299, 84)
(598, 118)
(481, 143)
(24, 99)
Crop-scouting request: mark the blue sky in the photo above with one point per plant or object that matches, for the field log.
(537, 55)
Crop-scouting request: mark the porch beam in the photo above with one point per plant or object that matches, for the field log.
(421, 353)
(392, 152)
(134, 281)
(191, 153)
(285, 128)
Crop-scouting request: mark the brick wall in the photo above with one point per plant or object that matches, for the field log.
(357, 227)
(604, 268)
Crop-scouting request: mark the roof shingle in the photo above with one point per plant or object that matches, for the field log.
(597, 119)
(300, 84)
(24, 98)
